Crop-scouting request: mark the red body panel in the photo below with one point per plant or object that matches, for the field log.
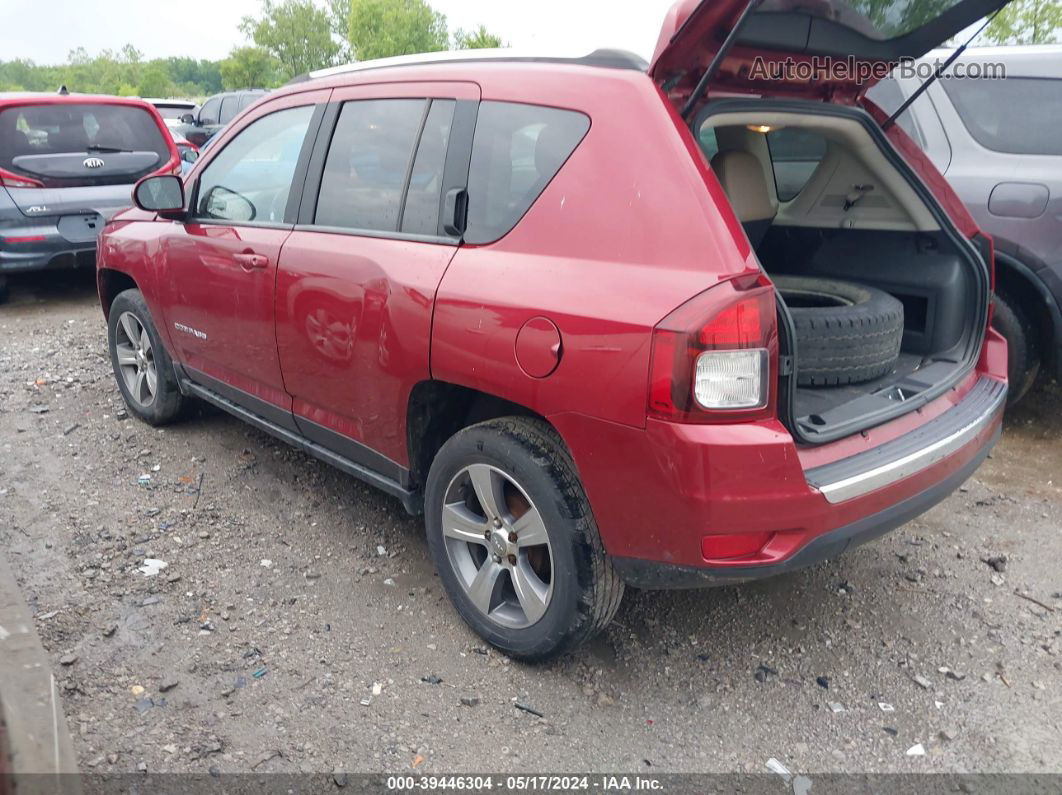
(339, 328)
(354, 331)
(214, 295)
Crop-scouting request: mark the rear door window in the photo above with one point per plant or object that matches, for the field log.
(228, 109)
(250, 179)
(1017, 115)
(795, 154)
(67, 145)
(247, 99)
(516, 151)
(368, 162)
(209, 113)
(420, 214)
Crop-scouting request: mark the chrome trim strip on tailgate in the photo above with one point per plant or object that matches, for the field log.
(904, 456)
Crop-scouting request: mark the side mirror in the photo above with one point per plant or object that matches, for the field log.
(163, 194)
(187, 118)
(189, 155)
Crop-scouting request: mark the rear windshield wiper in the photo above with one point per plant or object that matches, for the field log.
(100, 148)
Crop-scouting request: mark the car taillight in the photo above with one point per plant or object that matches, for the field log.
(9, 180)
(172, 167)
(712, 357)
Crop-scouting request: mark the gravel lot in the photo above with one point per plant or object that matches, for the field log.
(292, 592)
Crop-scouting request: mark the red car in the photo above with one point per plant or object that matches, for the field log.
(562, 307)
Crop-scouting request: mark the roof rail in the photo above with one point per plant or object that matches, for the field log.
(606, 58)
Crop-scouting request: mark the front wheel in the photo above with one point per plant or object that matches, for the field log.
(141, 365)
(514, 541)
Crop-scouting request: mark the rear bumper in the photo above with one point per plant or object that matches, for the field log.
(655, 575)
(658, 493)
(53, 251)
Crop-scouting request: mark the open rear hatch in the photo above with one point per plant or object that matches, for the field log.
(846, 46)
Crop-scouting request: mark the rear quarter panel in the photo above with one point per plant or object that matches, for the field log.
(624, 233)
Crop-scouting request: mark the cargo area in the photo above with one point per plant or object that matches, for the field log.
(883, 303)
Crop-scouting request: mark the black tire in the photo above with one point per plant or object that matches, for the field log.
(846, 333)
(167, 404)
(585, 591)
(3, 289)
(1023, 360)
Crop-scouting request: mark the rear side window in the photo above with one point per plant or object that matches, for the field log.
(367, 164)
(795, 154)
(247, 99)
(1017, 115)
(516, 151)
(250, 179)
(67, 145)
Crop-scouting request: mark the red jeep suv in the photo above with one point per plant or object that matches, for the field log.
(603, 323)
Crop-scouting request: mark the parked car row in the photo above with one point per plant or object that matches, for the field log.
(68, 162)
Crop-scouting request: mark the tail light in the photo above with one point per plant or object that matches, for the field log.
(10, 180)
(712, 357)
(171, 168)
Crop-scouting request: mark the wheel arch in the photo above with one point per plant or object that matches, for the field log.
(438, 409)
(110, 282)
(1016, 277)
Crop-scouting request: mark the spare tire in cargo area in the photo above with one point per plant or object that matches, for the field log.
(846, 333)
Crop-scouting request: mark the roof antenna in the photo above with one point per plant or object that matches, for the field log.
(713, 67)
(941, 68)
(63, 90)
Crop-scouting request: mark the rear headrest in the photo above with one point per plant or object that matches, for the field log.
(741, 176)
(552, 146)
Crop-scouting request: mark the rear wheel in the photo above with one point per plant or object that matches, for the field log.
(1023, 360)
(514, 541)
(141, 365)
(3, 289)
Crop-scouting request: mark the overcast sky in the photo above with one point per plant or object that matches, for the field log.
(46, 30)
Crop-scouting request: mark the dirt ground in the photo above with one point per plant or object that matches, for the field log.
(292, 591)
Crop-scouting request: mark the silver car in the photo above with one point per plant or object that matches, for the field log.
(999, 143)
(67, 164)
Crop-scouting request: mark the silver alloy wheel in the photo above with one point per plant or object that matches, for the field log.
(136, 360)
(497, 544)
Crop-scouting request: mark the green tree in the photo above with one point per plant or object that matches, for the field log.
(249, 67)
(1026, 22)
(339, 22)
(155, 81)
(382, 28)
(200, 76)
(477, 39)
(295, 32)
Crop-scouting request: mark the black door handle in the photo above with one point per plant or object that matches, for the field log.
(455, 211)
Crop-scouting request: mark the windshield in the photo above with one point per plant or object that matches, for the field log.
(52, 142)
